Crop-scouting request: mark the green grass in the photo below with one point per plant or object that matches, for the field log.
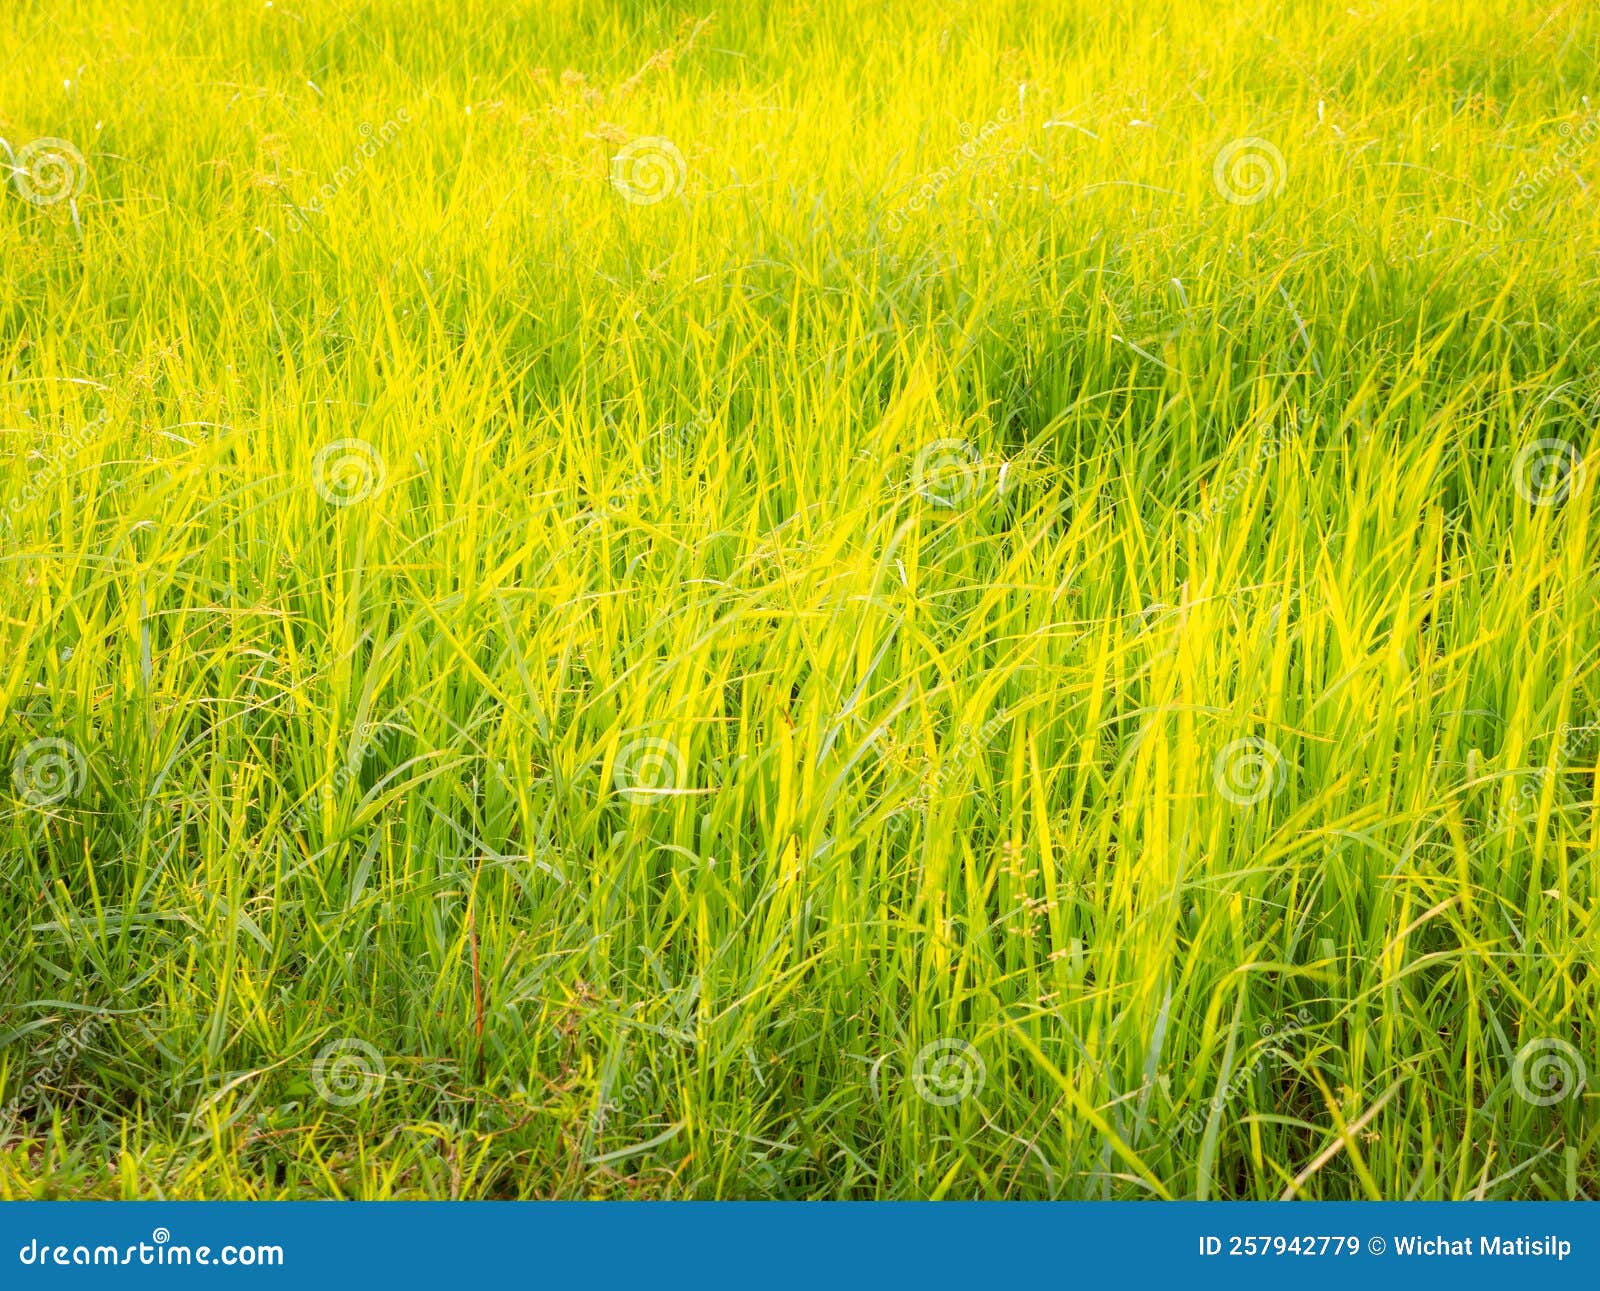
(648, 738)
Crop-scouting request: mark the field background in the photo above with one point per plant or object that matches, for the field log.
(515, 690)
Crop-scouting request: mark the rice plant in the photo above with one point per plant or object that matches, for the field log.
(848, 599)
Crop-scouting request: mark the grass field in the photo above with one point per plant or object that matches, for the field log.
(816, 600)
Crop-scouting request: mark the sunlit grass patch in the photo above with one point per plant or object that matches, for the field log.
(848, 600)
